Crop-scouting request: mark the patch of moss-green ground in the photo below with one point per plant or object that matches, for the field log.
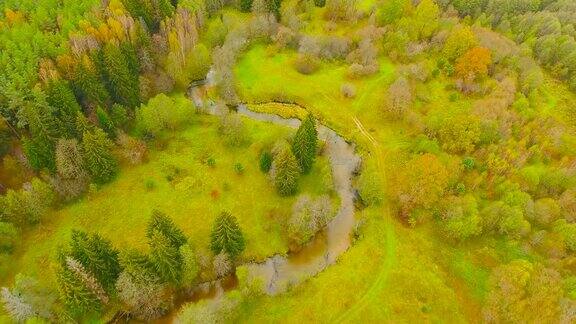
(121, 209)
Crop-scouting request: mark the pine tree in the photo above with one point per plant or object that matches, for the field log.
(83, 125)
(76, 296)
(62, 99)
(164, 8)
(166, 258)
(246, 5)
(98, 256)
(44, 130)
(105, 122)
(227, 236)
(40, 153)
(87, 279)
(88, 84)
(164, 224)
(190, 267)
(142, 9)
(304, 144)
(119, 115)
(139, 266)
(285, 172)
(122, 83)
(265, 161)
(98, 158)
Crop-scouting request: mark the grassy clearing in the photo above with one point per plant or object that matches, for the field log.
(196, 195)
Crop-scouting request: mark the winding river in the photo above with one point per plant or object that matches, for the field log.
(279, 272)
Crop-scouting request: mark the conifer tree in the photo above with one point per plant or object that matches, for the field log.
(139, 266)
(122, 83)
(105, 122)
(76, 296)
(62, 99)
(246, 5)
(98, 256)
(88, 84)
(164, 224)
(83, 125)
(285, 172)
(227, 236)
(98, 158)
(40, 152)
(165, 257)
(87, 279)
(164, 8)
(304, 144)
(190, 267)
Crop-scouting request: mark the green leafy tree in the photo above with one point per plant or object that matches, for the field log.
(98, 158)
(459, 42)
(166, 258)
(246, 5)
(227, 236)
(304, 144)
(190, 266)
(266, 161)
(77, 297)
(164, 224)
(106, 122)
(88, 84)
(122, 82)
(97, 255)
(8, 236)
(62, 99)
(393, 10)
(285, 172)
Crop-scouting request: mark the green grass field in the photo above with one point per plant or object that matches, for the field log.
(193, 199)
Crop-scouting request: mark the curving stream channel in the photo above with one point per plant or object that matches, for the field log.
(279, 272)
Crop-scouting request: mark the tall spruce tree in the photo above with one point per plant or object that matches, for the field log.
(122, 83)
(304, 144)
(227, 236)
(98, 256)
(166, 258)
(98, 158)
(77, 297)
(105, 122)
(285, 172)
(88, 84)
(62, 99)
(164, 224)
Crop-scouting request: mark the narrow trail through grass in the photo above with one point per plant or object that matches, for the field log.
(390, 242)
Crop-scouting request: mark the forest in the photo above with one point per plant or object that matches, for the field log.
(287, 161)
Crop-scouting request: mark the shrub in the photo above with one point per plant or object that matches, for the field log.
(348, 90)
(306, 64)
(308, 217)
(238, 168)
(459, 217)
(265, 161)
(163, 112)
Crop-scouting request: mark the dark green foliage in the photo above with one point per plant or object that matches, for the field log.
(98, 158)
(238, 168)
(89, 87)
(122, 82)
(274, 7)
(286, 172)
(265, 161)
(40, 153)
(119, 115)
(79, 300)
(8, 237)
(62, 99)
(246, 5)
(165, 257)
(164, 224)
(97, 255)
(105, 122)
(83, 125)
(141, 9)
(139, 266)
(320, 3)
(165, 8)
(304, 144)
(227, 236)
